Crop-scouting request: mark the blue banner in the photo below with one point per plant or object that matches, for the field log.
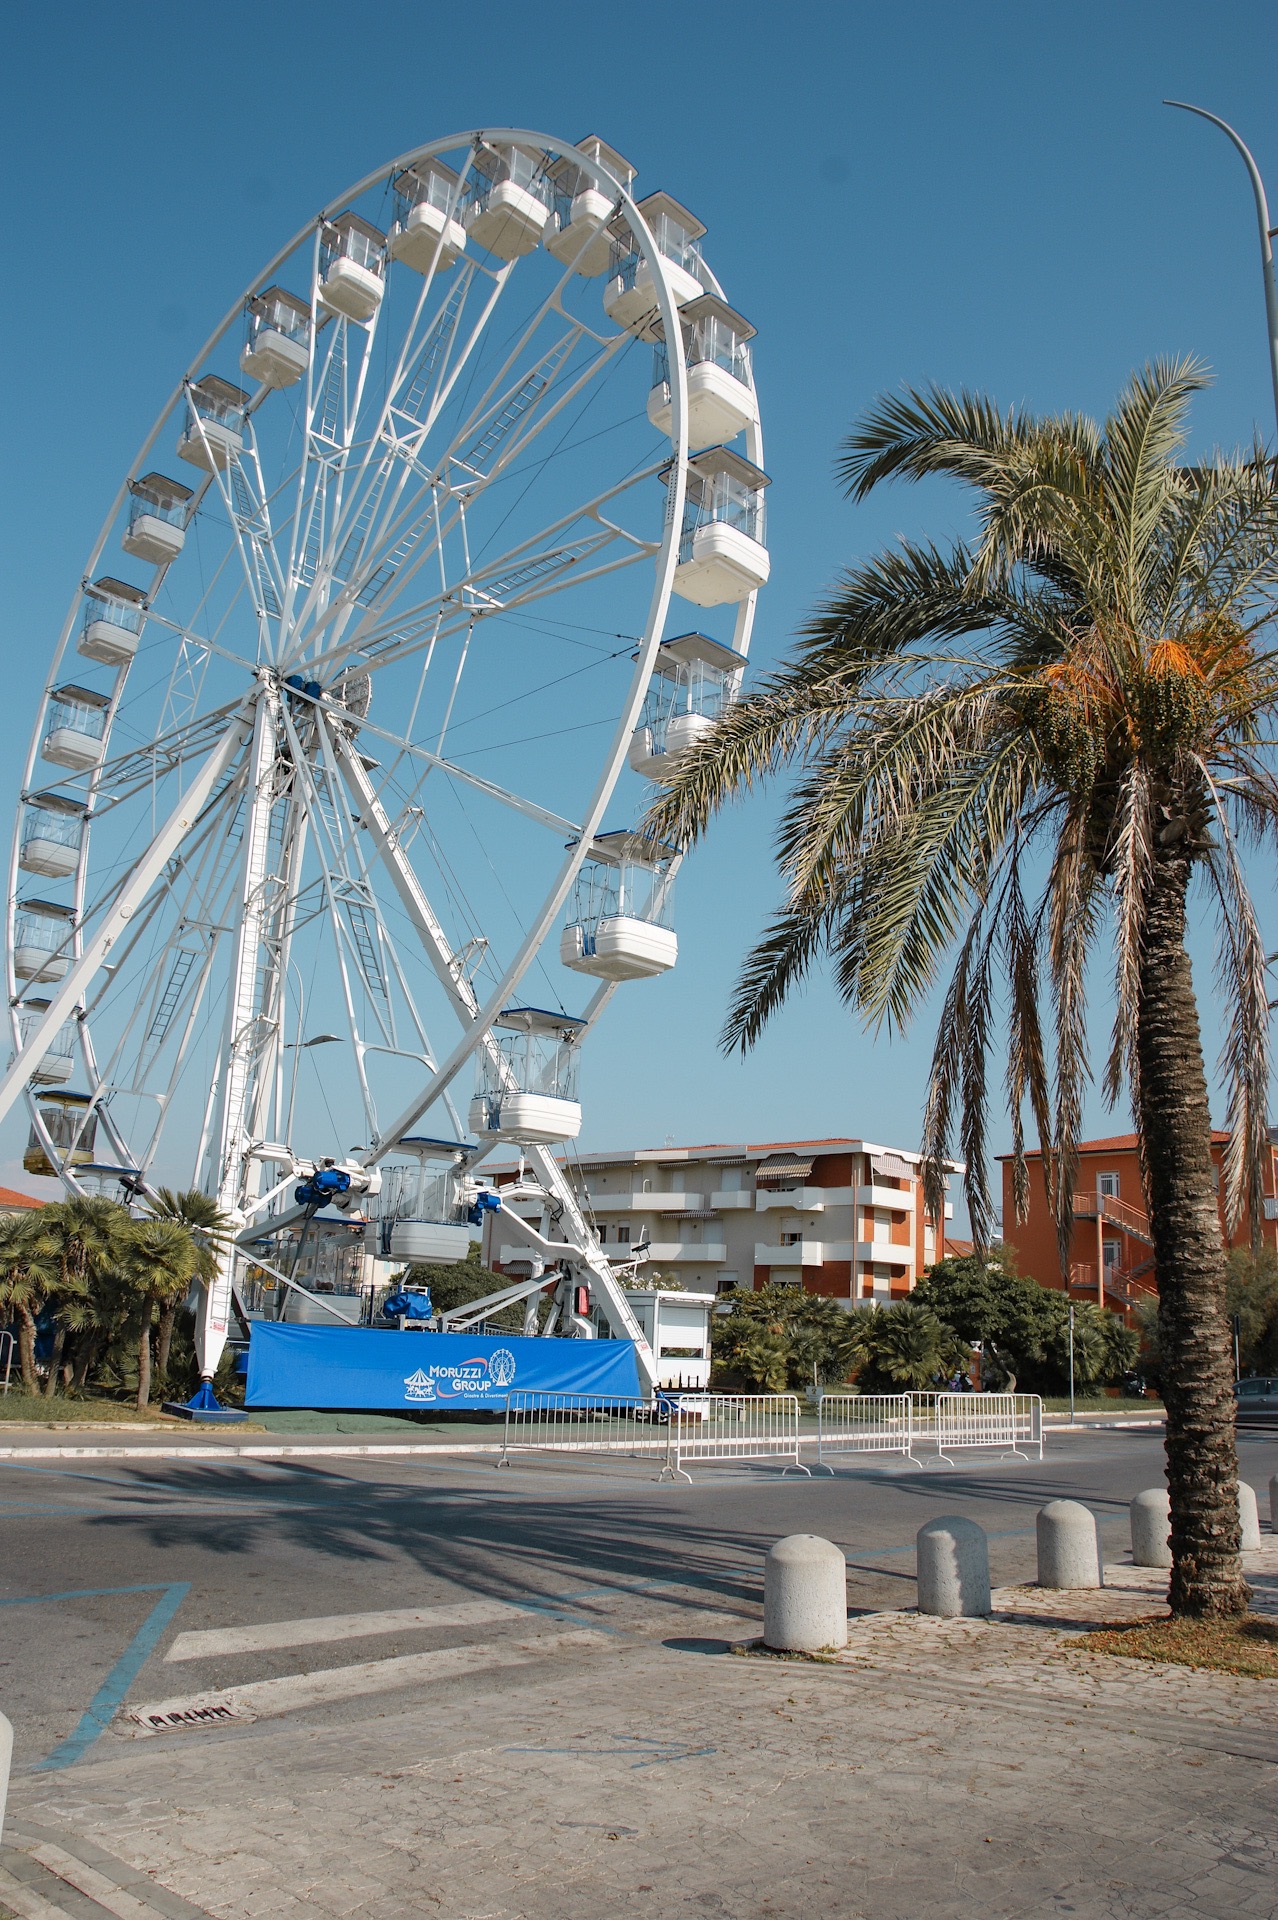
(383, 1372)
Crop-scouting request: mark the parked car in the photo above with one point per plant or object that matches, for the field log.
(1256, 1396)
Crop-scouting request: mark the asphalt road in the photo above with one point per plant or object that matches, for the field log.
(106, 1563)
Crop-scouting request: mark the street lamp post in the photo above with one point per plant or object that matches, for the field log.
(1266, 234)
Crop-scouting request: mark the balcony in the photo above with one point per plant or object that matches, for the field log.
(883, 1253)
(798, 1199)
(897, 1199)
(647, 1202)
(729, 1202)
(799, 1253)
(708, 1252)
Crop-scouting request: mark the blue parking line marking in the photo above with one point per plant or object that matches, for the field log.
(106, 1701)
(87, 1593)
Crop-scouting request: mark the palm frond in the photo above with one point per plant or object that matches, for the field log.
(1244, 1057)
(917, 433)
(1143, 437)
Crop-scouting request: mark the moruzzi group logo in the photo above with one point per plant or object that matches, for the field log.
(472, 1377)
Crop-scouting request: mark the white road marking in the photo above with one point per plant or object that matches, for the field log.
(267, 1635)
(292, 1692)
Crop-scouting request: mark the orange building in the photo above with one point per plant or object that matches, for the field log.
(1111, 1256)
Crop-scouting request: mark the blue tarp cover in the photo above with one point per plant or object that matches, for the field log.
(363, 1367)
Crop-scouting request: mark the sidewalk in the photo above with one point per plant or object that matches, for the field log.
(938, 1768)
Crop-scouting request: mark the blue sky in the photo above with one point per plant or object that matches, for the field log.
(986, 194)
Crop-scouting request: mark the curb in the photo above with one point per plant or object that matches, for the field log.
(54, 1876)
(246, 1452)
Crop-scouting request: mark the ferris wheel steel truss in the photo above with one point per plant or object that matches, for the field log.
(343, 572)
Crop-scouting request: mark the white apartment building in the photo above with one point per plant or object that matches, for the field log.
(839, 1217)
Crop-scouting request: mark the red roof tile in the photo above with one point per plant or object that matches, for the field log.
(11, 1202)
(1118, 1143)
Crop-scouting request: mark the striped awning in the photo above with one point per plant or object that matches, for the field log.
(692, 1213)
(785, 1169)
(892, 1167)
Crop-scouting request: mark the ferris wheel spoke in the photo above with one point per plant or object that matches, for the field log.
(520, 803)
(69, 992)
(122, 777)
(352, 903)
(385, 525)
(449, 966)
(541, 564)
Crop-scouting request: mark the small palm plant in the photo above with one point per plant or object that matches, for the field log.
(28, 1278)
(90, 1240)
(1028, 749)
(906, 1348)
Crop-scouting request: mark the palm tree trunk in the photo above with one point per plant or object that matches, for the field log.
(164, 1338)
(1189, 1262)
(144, 1353)
(86, 1353)
(26, 1350)
(55, 1362)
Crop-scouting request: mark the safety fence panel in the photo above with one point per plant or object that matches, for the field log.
(864, 1423)
(733, 1426)
(950, 1421)
(545, 1422)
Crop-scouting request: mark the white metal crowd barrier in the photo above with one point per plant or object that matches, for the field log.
(905, 1423)
(864, 1423)
(538, 1422)
(954, 1420)
(733, 1426)
(765, 1426)
(675, 1428)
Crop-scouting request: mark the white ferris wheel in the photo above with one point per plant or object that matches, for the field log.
(354, 707)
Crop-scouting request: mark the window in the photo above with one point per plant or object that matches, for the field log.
(727, 1281)
(623, 1236)
(791, 1239)
(602, 1231)
(730, 1180)
(1113, 1249)
(1107, 1185)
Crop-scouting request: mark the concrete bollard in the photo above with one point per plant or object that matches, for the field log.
(1249, 1518)
(1151, 1528)
(1273, 1503)
(952, 1559)
(1068, 1546)
(805, 1595)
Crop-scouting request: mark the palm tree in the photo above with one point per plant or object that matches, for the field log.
(28, 1275)
(1029, 746)
(906, 1348)
(160, 1259)
(90, 1239)
(210, 1232)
